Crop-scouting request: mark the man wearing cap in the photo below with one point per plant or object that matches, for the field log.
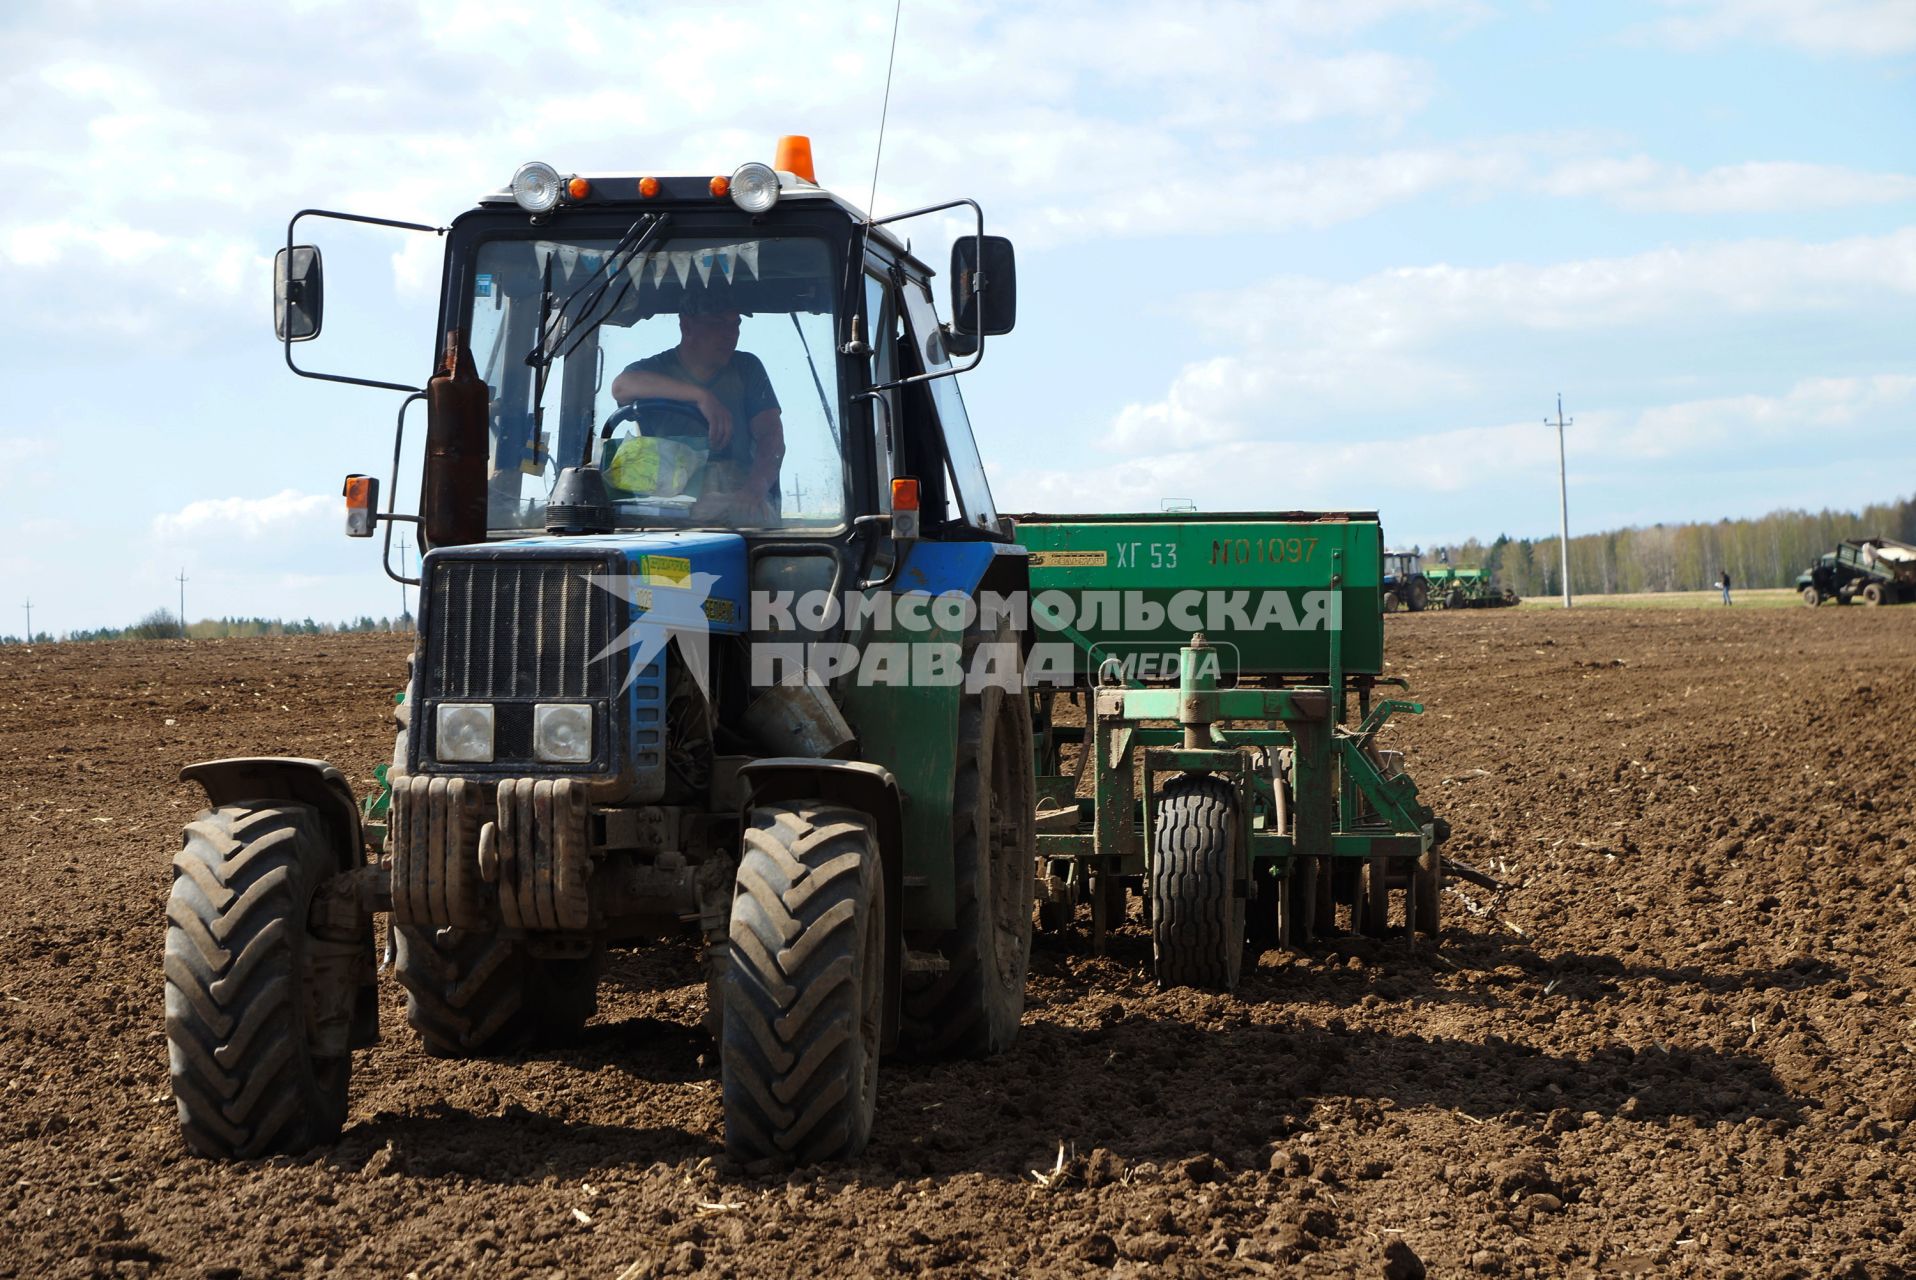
(745, 436)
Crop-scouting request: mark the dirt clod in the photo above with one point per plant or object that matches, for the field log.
(1401, 1262)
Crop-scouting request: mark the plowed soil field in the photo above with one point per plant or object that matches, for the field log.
(1680, 1044)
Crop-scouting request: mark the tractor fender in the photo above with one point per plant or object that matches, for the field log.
(856, 784)
(309, 782)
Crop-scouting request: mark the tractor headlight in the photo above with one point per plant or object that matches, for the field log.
(465, 732)
(536, 187)
(562, 732)
(754, 187)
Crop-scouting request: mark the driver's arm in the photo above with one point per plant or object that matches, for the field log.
(644, 384)
(768, 451)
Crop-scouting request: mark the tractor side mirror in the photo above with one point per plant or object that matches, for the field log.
(984, 286)
(299, 293)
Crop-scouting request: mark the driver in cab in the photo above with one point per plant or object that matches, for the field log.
(744, 435)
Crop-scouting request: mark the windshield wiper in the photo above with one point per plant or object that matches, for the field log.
(556, 332)
(567, 330)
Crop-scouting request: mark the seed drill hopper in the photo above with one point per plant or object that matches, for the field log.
(1216, 744)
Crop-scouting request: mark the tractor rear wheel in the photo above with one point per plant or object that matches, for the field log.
(1872, 594)
(471, 994)
(973, 1008)
(1812, 597)
(804, 985)
(1197, 917)
(251, 1073)
(1419, 597)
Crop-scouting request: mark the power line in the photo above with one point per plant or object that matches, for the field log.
(1563, 498)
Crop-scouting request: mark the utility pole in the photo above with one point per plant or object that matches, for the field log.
(182, 582)
(29, 608)
(405, 601)
(1563, 498)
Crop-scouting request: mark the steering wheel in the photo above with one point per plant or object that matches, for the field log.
(639, 408)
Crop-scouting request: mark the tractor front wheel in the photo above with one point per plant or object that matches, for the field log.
(1197, 917)
(803, 986)
(1873, 594)
(1812, 597)
(254, 1069)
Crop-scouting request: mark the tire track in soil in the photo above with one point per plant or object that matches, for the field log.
(1682, 1046)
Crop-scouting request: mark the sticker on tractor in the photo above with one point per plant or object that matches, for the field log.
(719, 609)
(665, 569)
(1068, 559)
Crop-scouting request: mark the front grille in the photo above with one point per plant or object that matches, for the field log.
(517, 629)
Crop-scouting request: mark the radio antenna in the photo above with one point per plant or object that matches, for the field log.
(871, 204)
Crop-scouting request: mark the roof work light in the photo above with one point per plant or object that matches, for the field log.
(536, 187)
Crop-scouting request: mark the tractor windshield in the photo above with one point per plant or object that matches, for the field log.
(699, 375)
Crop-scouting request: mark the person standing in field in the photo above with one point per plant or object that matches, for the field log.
(1723, 581)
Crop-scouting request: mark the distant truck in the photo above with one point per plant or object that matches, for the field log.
(1873, 570)
(1405, 586)
(1455, 588)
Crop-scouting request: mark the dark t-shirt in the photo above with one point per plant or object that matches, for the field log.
(742, 386)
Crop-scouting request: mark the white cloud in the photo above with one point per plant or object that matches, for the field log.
(1640, 183)
(1473, 467)
(1417, 337)
(1866, 28)
(285, 515)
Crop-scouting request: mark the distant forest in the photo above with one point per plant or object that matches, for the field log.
(1768, 551)
(164, 624)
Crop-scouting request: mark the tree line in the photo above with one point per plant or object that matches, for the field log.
(164, 624)
(1767, 551)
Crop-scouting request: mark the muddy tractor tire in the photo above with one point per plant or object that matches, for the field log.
(474, 995)
(1812, 597)
(1197, 917)
(803, 986)
(1872, 594)
(252, 1073)
(1419, 597)
(973, 1008)
(1393, 602)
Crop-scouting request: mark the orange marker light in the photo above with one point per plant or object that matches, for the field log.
(648, 187)
(721, 187)
(904, 494)
(794, 156)
(362, 504)
(578, 188)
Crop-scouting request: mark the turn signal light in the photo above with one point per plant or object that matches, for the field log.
(721, 186)
(648, 187)
(578, 188)
(362, 504)
(904, 494)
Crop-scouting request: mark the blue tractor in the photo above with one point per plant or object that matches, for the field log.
(694, 453)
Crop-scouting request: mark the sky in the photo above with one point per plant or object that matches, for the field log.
(1337, 254)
